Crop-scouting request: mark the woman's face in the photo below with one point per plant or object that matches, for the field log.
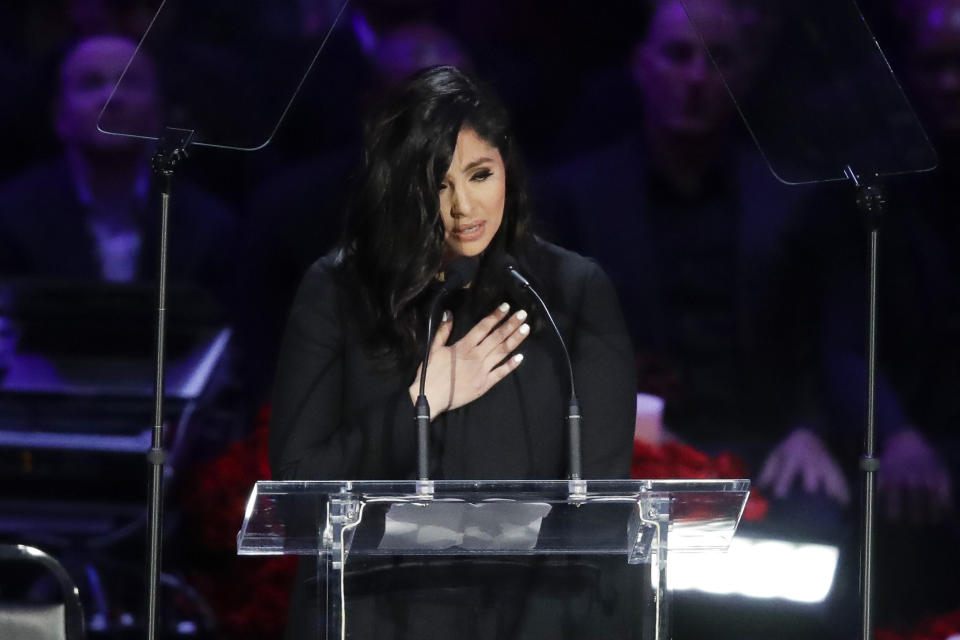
(472, 196)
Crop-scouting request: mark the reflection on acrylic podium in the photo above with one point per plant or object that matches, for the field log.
(489, 559)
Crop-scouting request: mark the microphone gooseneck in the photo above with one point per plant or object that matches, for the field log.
(459, 273)
(573, 406)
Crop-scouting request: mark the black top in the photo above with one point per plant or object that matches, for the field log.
(341, 413)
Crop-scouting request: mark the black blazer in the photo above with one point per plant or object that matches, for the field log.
(339, 413)
(602, 206)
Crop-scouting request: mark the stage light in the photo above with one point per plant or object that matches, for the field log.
(759, 568)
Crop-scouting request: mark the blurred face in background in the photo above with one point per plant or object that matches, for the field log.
(934, 62)
(682, 91)
(408, 48)
(87, 79)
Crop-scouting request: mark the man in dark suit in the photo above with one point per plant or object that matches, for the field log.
(917, 404)
(688, 222)
(92, 214)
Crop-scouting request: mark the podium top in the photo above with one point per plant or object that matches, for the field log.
(504, 517)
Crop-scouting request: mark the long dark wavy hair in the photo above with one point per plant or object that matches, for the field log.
(393, 241)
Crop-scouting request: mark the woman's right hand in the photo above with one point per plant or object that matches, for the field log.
(465, 370)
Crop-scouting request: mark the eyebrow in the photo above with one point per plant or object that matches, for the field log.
(476, 163)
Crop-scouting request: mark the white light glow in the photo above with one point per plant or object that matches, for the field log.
(251, 503)
(758, 568)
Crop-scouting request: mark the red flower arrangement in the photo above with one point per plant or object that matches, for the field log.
(249, 595)
(939, 628)
(676, 460)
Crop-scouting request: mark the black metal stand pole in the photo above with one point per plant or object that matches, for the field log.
(872, 203)
(171, 151)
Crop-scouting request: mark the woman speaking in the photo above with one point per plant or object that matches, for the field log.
(442, 179)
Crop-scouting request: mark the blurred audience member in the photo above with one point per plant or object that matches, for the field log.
(688, 222)
(92, 214)
(918, 407)
(919, 276)
(412, 46)
(932, 64)
(324, 115)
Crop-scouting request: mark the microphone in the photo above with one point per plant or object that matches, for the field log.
(458, 274)
(573, 406)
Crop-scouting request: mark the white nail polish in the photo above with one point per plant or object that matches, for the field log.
(518, 358)
(524, 329)
(504, 307)
(445, 317)
(521, 315)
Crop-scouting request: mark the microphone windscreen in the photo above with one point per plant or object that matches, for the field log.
(460, 272)
(509, 264)
(506, 261)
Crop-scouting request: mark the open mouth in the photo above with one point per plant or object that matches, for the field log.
(472, 231)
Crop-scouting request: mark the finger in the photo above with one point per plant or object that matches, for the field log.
(785, 478)
(768, 474)
(916, 506)
(926, 496)
(936, 493)
(912, 480)
(505, 348)
(913, 498)
(480, 330)
(811, 477)
(442, 334)
(931, 477)
(944, 491)
(501, 334)
(835, 485)
(503, 370)
(940, 499)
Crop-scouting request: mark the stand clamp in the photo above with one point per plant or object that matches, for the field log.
(171, 151)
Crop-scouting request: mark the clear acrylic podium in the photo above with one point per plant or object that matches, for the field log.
(630, 526)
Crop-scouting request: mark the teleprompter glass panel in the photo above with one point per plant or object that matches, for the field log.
(228, 70)
(813, 87)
